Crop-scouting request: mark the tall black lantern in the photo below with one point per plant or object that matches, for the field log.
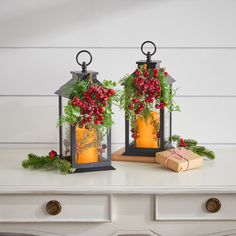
(141, 145)
(71, 139)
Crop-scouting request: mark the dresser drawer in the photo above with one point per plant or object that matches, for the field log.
(55, 208)
(195, 207)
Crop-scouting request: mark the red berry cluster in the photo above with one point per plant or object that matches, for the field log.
(92, 104)
(148, 90)
(182, 143)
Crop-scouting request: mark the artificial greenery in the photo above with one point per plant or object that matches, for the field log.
(47, 162)
(131, 92)
(82, 90)
(192, 145)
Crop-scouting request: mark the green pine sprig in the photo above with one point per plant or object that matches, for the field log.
(46, 162)
(192, 145)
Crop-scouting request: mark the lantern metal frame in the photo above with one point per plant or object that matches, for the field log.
(83, 167)
(130, 149)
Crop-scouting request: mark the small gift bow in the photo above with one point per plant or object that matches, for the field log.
(179, 154)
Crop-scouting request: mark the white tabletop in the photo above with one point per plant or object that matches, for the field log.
(218, 176)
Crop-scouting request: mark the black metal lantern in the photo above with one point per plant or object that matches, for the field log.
(72, 138)
(144, 144)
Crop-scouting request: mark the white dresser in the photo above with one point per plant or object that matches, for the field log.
(135, 199)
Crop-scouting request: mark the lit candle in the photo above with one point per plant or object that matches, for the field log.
(87, 145)
(147, 131)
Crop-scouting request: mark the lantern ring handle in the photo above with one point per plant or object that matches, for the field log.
(77, 57)
(155, 48)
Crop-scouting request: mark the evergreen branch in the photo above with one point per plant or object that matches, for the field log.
(46, 162)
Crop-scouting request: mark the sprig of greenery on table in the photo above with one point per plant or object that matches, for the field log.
(46, 162)
(192, 145)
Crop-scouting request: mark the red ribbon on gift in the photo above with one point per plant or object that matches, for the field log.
(179, 154)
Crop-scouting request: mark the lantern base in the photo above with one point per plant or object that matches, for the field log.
(131, 150)
(89, 169)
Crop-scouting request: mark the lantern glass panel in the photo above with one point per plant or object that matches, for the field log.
(90, 146)
(167, 128)
(65, 133)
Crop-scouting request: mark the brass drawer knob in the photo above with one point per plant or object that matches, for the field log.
(213, 205)
(53, 207)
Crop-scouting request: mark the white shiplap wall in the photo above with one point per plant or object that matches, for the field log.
(39, 39)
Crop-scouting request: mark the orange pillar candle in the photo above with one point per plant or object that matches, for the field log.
(87, 145)
(147, 131)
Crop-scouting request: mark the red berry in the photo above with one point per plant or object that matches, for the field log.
(105, 99)
(182, 143)
(131, 106)
(133, 130)
(157, 106)
(101, 96)
(101, 118)
(155, 71)
(155, 75)
(89, 119)
(137, 72)
(137, 111)
(135, 80)
(97, 122)
(84, 121)
(134, 136)
(111, 91)
(76, 99)
(135, 100)
(166, 73)
(141, 105)
(101, 109)
(146, 74)
(52, 153)
(79, 103)
(150, 99)
(162, 105)
(73, 103)
(89, 108)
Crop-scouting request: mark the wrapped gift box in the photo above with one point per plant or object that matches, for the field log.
(179, 159)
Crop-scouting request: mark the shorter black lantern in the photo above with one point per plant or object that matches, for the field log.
(89, 149)
(152, 134)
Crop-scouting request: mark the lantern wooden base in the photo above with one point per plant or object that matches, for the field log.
(118, 156)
